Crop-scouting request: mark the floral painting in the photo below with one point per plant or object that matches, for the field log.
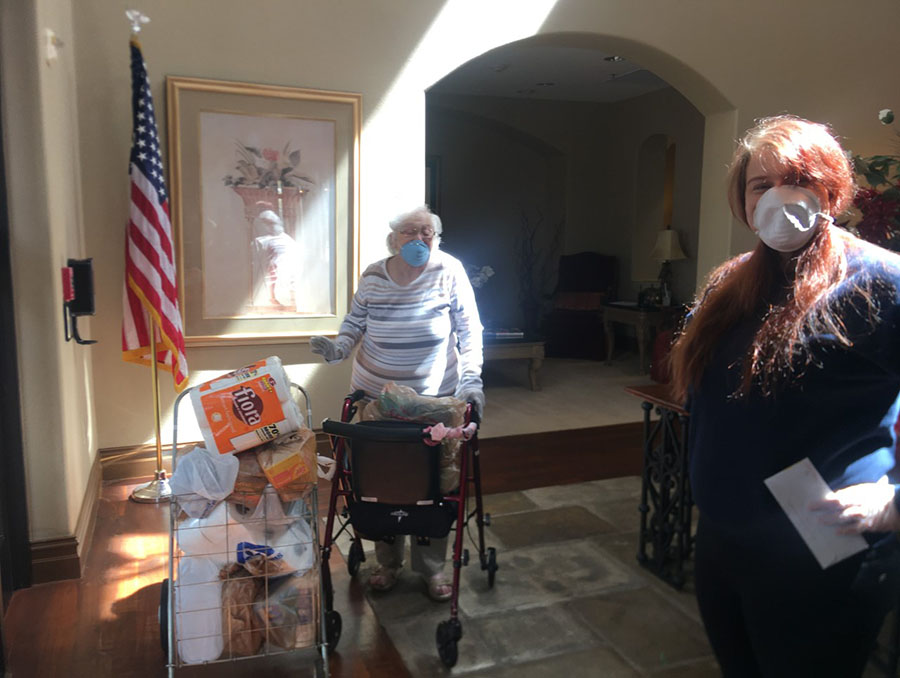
(268, 216)
(264, 181)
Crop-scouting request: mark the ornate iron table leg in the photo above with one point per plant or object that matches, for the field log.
(666, 505)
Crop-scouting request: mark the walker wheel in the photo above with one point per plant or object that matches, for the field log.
(355, 557)
(491, 565)
(447, 636)
(333, 627)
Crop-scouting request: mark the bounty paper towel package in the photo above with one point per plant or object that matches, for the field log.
(246, 408)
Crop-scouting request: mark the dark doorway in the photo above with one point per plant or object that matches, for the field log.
(15, 561)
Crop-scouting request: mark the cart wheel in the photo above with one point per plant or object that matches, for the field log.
(333, 626)
(490, 564)
(355, 557)
(447, 636)
(162, 616)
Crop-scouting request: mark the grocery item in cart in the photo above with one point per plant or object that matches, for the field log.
(201, 480)
(244, 634)
(290, 611)
(214, 536)
(290, 464)
(262, 560)
(250, 482)
(198, 620)
(268, 514)
(246, 408)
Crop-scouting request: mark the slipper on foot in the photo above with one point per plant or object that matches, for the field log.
(439, 588)
(384, 578)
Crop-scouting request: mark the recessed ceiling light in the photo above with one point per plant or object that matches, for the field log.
(614, 58)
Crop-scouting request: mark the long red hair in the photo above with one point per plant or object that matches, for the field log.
(792, 303)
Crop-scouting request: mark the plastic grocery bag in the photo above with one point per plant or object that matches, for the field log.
(214, 536)
(402, 402)
(198, 619)
(268, 514)
(201, 480)
(297, 546)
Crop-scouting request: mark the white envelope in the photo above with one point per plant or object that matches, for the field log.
(795, 488)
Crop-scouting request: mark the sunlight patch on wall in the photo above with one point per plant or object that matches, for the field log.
(461, 31)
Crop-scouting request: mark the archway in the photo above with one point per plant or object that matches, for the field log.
(605, 182)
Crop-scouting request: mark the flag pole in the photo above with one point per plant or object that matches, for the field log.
(157, 490)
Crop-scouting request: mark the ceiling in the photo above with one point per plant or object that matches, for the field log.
(525, 70)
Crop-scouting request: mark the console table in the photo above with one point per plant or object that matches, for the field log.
(666, 504)
(644, 321)
(510, 349)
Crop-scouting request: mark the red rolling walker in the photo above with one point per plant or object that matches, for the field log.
(387, 480)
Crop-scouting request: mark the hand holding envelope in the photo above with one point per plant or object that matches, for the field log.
(796, 489)
(867, 507)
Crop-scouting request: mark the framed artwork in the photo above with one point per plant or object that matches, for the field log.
(433, 183)
(264, 184)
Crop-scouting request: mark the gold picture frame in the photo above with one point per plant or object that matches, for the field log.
(264, 184)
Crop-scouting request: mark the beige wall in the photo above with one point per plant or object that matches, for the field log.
(44, 184)
(820, 58)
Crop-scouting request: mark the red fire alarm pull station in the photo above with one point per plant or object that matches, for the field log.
(68, 286)
(78, 296)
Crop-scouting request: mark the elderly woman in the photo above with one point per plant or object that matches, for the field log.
(792, 354)
(416, 323)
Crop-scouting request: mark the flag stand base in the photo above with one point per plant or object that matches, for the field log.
(154, 492)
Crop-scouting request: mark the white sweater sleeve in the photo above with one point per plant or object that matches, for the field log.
(469, 333)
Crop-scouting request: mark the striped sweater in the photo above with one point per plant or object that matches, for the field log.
(426, 335)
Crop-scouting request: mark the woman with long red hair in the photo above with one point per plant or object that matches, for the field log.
(792, 353)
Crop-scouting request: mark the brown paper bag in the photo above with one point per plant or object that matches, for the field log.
(291, 611)
(289, 464)
(251, 481)
(241, 628)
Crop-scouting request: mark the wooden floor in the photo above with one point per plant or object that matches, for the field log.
(105, 624)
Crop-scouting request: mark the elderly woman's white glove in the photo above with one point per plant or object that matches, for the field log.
(474, 396)
(867, 507)
(326, 348)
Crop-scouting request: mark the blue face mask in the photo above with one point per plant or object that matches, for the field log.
(415, 253)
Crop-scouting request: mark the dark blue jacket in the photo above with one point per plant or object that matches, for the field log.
(840, 412)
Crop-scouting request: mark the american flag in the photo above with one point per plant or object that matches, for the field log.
(150, 292)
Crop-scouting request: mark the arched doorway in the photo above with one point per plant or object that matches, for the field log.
(512, 146)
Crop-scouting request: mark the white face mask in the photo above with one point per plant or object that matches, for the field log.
(786, 216)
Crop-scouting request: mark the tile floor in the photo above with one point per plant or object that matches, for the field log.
(569, 600)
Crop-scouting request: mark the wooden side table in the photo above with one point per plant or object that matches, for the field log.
(511, 349)
(644, 320)
(666, 503)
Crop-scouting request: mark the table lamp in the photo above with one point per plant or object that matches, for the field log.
(666, 249)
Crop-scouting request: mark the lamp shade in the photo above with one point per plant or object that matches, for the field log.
(667, 247)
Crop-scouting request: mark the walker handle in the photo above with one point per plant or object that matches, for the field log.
(378, 433)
